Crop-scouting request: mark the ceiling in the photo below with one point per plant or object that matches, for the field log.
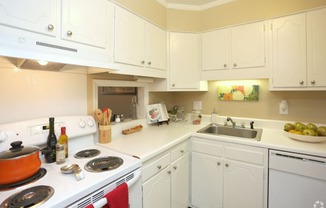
(195, 5)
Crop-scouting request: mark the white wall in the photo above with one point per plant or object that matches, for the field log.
(29, 94)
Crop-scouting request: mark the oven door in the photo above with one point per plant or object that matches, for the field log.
(98, 200)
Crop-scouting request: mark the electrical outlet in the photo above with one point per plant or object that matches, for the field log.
(284, 108)
(197, 105)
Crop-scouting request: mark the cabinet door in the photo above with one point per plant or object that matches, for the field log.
(243, 185)
(180, 183)
(85, 21)
(216, 50)
(248, 46)
(184, 61)
(156, 47)
(33, 15)
(129, 38)
(206, 181)
(289, 51)
(316, 47)
(156, 191)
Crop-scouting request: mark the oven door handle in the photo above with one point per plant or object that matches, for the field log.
(100, 203)
(137, 175)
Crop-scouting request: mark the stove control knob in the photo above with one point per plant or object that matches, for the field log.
(82, 124)
(90, 123)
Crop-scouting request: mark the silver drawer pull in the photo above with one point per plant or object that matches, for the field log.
(159, 167)
(50, 27)
(69, 33)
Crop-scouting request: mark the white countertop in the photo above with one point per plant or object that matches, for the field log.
(154, 139)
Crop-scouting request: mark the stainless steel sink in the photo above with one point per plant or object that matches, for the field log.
(230, 131)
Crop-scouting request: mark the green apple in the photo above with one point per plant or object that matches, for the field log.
(321, 131)
(289, 127)
(309, 132)
(300, 126)
(311, 126)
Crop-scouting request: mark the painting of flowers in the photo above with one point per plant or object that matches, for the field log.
(238, 92)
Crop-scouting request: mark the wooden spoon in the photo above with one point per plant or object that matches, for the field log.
(99, 116)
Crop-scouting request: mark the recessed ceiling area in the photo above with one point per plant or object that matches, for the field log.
(195, 5)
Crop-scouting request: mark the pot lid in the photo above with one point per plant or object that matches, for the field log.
(17, 150)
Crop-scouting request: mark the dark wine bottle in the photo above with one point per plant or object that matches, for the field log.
(51, 143)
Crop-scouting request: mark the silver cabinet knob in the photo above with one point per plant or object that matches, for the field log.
(169, 172)
(226, 165)
(175, 167)
(142, 62)
(173, 85)
(235, 65)
(225, 65)
(50, 27)
(69, 33)
(159, 167)
(313, 82)
(218, 163)
(182, 151)
(149, 63)
(301, 82)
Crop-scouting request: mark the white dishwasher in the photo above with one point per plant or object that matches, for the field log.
(296, 180)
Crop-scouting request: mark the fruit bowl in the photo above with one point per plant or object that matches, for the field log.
(305, 138)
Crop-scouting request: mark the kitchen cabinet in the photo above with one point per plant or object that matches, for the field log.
(39, 19)
(85, 21)
(298, 48)
(316, 48)
(156, 191)
(228, 175)
(184, 62)
(166, 179)
(71, 32)
(138, 42)
(236, 52)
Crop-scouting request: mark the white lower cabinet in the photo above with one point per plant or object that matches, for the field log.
(156, 191)
(226, 175)
(166, 179)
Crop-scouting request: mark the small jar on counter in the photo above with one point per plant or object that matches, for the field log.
(196, 117)
(60, 153)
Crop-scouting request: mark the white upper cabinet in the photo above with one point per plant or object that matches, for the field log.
(299, 48)
(138, 42)
(289, 51)
(316, 46)
(156, 47)
(85, 21)
(38, 16)
(241, 47)
(184, 61)
(129, 38)
(216, 51)
(248, 46)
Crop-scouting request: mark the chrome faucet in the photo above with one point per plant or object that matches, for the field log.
(230, 119)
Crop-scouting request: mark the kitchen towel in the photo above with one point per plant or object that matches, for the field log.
(118, 198)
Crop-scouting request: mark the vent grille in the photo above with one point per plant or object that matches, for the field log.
(55, 46)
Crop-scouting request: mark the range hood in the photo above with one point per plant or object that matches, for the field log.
(32, 64)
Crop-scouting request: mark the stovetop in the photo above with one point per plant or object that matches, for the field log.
(67, 189)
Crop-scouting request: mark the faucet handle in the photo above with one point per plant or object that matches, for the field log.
(252, 125)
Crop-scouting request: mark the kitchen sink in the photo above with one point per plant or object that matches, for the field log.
(232, 131)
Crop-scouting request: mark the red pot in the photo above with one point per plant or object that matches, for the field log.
(18, 163)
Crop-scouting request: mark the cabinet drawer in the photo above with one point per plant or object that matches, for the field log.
(154, 166)
(242, 153)
(179, 150)
(207, 147)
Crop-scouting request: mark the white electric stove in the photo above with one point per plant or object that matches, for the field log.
(67, 190)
